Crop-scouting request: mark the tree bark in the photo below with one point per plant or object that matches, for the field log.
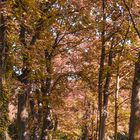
(4, 95)
(101, 70)
(22, 114)
(134, 125)
(116, 102)
(46, 93)
(134, 128)
(106, 94)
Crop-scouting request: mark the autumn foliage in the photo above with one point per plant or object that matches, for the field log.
(69, 70)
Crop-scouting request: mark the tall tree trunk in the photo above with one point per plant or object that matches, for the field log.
(134, 128)
(22, 114)
(4, 95)
(46, 93)
(116, 102)
(134, 125)
(23, 133)
(101, 70)
(37, 116)
(106, 94)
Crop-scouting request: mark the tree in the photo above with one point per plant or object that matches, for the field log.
(134, 130)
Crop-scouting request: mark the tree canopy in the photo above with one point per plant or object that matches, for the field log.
(69, 70)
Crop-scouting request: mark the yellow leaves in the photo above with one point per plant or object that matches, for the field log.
(30, 2)
(93, 117)
(43, 0)
(131, 57)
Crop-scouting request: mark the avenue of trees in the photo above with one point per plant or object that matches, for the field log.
(69, 69)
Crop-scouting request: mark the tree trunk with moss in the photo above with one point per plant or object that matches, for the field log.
(4, 92)
(47, 124)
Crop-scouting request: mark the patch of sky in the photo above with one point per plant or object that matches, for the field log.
(72, 77)
(17, 70)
